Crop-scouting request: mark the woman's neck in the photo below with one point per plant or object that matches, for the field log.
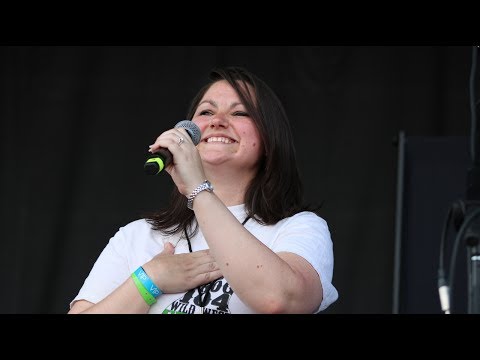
(229, 186)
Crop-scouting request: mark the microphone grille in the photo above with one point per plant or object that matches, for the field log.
(192, 129)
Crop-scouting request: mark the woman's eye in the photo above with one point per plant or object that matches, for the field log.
(205, 112)
(240, 113)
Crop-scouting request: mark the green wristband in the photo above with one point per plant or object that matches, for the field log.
(149, 299)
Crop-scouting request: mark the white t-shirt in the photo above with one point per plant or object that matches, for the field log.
(304, 234)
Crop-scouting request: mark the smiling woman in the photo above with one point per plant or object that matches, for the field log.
(230, 135)
(246, 243)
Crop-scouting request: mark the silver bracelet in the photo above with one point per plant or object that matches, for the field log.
(206, 185)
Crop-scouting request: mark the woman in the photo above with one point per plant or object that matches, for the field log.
(245, 243)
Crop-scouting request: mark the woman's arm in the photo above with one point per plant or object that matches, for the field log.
(171, 272)
(266, 281)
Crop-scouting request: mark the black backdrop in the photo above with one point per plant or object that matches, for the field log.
(76, 122)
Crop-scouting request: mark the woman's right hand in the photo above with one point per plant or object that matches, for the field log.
(174, 273)
(186, 168)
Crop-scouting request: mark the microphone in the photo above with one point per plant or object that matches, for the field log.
(162, 157)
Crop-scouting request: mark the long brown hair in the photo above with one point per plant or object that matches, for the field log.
(276, 192)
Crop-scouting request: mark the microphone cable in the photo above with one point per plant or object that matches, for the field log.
(442, 282)
(460, 235)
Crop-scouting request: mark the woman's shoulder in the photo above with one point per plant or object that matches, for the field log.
(137, 232)
(137, 224)
(136, 227)
(306, 216)
(307, 221)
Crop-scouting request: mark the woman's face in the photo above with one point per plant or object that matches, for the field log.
(229, 135)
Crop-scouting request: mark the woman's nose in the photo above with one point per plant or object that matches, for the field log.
(218, 121)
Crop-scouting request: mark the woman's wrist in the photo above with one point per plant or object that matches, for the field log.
(146, 286)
